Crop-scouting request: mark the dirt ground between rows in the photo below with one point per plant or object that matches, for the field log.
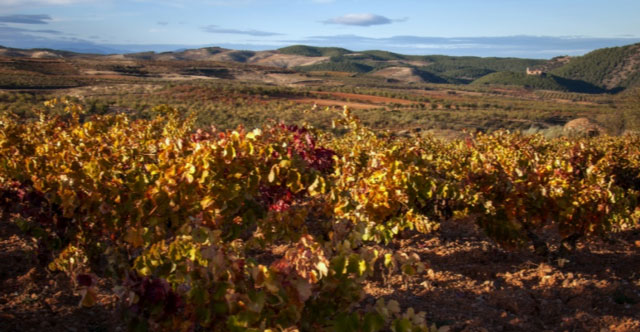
(473, 285)
(338, 103)
(352, 100)
(470, 285)
(34, 299)
(364, 98)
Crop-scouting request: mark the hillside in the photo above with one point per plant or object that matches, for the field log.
(338, 65)
(440, 68)
(471, 68)
(39, 53)
(449, 69)
(408, 75)
(543, 82)
(312, 51)
(609, 68)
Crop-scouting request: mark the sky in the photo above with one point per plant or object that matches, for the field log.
(504, 28)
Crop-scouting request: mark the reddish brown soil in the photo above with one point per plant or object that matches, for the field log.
(568, 101)
(34, 299)
(339, 103)
(470, 285)
(356, 101)
(109, 76)
(364, 98)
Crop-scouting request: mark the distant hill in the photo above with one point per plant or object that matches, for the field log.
(408, 75)
(384, 55)
(36, 53)
(470, 68)
(542, 82)
(313, 50)
(439, 68)
(442, 68)
(343, 66)
(608, 68)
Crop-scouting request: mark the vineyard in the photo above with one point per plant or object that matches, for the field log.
(280, 228)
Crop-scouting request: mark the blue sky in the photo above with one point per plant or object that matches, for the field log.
(523, 28)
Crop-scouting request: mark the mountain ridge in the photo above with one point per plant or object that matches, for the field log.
(603, 70)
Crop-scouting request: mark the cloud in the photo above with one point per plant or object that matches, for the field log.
(363, 20)
(25, 19)
(9, 30)
(506, 46)
(163, 23)
(28, 39)
(49, 31)
(256, 33)
(544, 47)
(31, 3)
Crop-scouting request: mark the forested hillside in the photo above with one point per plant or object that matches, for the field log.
(608, 68)
(542, 82)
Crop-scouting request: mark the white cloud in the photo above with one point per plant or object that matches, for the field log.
(12, 3)
(26, 19)
(544, 47)
(257, 33)
(363, 20)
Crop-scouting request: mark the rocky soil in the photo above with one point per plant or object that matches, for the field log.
(470, 285)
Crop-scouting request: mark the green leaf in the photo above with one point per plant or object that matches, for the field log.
(200, 235)
(236, 323)
(346, 323)
(373, 322)
(402, 325)
(338, 264)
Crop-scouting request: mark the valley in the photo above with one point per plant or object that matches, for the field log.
(436, 94)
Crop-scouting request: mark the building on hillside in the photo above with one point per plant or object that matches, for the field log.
(535, 71)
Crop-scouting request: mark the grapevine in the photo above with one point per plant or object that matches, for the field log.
(188, 219)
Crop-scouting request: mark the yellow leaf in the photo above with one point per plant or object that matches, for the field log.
(346, 111)
(89, 298)
(229, 151)
(317, 187)
(193, 254)
(191, 169)
(272, 174)
(254, 134)
(251, 148)
(322, 268)
(388, 260)
(206, 202)
(362, 267)
(285, 163)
